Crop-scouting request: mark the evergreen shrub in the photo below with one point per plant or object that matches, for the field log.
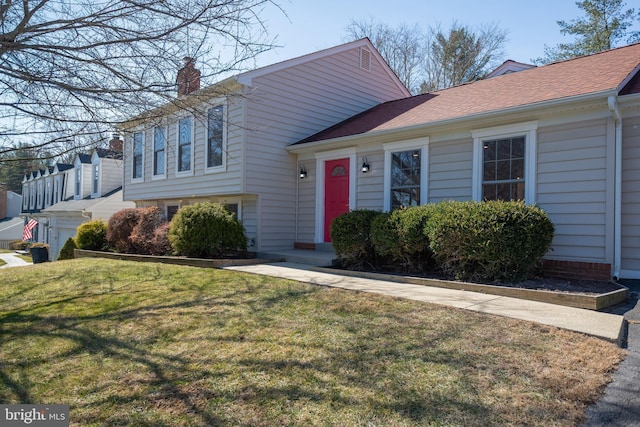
(67, 250)
(92, 236)
(351, 237)
(206, 230)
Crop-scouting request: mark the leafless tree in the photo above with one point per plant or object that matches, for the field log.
(71, 69)
(401, 47)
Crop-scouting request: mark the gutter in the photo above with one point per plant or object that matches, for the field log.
(617, 210)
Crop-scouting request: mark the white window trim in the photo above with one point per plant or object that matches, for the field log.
(526, 129)
(165, 129)
(321, 158)
(141, 179)
(395, 147)
(180, 174)
(223, 166)
(78, 172)
(96, 162)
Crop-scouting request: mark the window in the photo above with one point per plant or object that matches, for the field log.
(137, 155)
(405, 178)
(171, 211)
(185, 127)
(215, 136)
(78, 181)
(96, 178)
(504, 166)
(503, 169)
(159, 147)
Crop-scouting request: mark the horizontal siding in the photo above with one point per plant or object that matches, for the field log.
(572, 188)
(370, 185)
(450, 167)
(631, 194)
(307, 204)
(200, 183)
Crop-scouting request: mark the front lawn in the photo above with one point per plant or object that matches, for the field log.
(148, 344)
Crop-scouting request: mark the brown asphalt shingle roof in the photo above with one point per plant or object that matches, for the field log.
(595, 73)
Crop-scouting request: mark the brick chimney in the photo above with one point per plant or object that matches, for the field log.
(3, 201)
(115, 144)
(188, 79)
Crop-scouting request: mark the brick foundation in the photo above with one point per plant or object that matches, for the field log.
(577, 270)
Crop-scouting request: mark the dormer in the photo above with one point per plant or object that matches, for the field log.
(40, 189)
(32, 191)
(25, 192)
(48, 187)
(81, 176)
(106, 171)
(61, 187)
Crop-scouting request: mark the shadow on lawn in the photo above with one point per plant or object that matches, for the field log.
(191, 381)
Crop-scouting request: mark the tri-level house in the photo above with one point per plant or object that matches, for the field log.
(227, 142)
(564, 136)
(64, 196)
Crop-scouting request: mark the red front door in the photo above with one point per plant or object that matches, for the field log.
(336, 192)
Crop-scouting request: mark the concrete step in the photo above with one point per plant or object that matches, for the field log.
(317, 258)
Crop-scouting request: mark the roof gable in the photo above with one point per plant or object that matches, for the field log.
(602, 74)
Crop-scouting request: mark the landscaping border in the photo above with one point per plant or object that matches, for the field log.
(194, 262)
(569, 299)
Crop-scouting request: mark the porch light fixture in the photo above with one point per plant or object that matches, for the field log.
(365, 165)
(303, 172)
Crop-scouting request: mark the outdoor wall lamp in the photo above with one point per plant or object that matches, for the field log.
(303, 172)
(365, 165)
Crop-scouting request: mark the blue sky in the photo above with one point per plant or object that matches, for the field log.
(312, 25)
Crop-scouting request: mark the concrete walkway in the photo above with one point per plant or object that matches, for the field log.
(12, 260)
(603, 325)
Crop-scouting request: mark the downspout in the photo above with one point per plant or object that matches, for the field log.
(617, 210)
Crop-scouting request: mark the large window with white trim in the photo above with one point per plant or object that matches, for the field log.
(137, 162)
(159, 151)
(503, 169)
(405, 178)
(185, 144)
(215, 137)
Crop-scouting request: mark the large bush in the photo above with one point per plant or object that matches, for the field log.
(120, 227)
(350, 234)
(206, 230)
(92, 236)
(143, 232)
(160, 244)
(497, 241)
(399, 237)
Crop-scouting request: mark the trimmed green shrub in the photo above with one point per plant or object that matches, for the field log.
(206, 230)
(350, 234)
(67, 250)
(92, 236)
(489, 241)
(120, 227)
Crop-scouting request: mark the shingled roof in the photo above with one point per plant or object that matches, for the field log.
(604, 72)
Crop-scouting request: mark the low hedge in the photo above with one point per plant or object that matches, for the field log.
(487, 241)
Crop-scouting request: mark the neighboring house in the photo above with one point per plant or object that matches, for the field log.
(564, 136)
(10, 223)
(227, 143)
(64, 196)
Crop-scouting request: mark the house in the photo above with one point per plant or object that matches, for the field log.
(10, 223)
(563, 136)
(64, 196)
(227, 142)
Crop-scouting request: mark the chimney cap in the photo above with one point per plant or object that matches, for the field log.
(188, 60)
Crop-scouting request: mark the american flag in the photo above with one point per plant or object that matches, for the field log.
(27, 233)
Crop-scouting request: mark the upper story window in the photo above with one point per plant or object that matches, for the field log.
(47, 192)
(25, 196)
(78, 191)
(137, 156)
(405, 178)
(185, 144)
(215, 136)
(96, 179)
(159, 151)
(56, 189)
(504, 166)
(503, 169)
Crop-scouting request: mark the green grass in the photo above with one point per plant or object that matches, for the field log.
(158, 345)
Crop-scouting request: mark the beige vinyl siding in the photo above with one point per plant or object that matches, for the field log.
(450, 166)
(369, 186)
(307, 203)
(631, 194)
(199, 183)
(87, 180)
(291, 104)
(110, 175)
(572, 186)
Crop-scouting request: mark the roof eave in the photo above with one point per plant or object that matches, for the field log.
(409, 132)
